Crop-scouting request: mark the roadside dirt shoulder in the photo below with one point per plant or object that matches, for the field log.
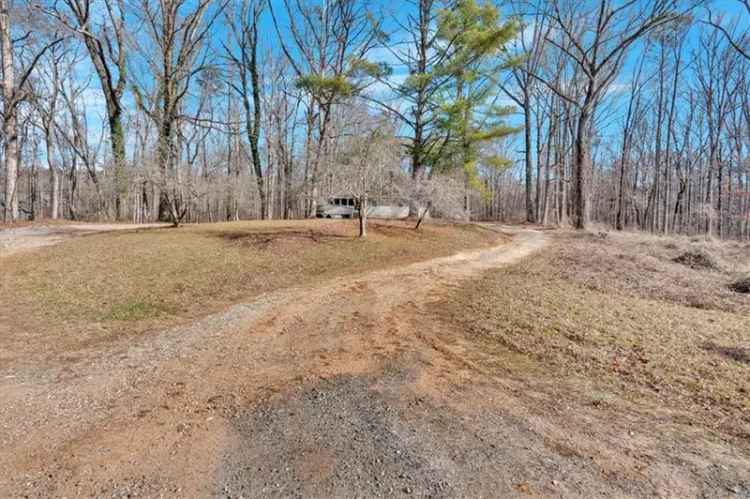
(19, 239)
(355, 387)
(98, 414)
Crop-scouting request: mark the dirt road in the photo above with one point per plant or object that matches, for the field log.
(19, 239)
(348, 389)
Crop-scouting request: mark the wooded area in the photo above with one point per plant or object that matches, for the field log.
(629, 113)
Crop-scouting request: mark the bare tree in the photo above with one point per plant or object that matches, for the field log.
(105, 45)
(370, 161)
(178, 30)
(600, 37)
(521, 88)
(739, 41)
(75, 133)
(47, 104)
(326, 46)
(633, 111)
(243, 56)
(714, 67)
(282, 103)
(14, 91)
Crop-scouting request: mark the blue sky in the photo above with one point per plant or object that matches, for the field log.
(393, 11)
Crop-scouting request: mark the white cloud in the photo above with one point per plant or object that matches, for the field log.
(619, 88)
(383, 90)
(93, 103)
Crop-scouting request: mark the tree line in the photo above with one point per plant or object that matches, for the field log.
(626, 113)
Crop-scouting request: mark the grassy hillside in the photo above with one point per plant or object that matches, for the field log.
(632, 322)
(103, 285)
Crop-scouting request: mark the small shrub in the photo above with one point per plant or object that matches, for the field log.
(742, 286)
(697, 260)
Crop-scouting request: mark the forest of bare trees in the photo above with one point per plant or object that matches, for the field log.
(630, 114)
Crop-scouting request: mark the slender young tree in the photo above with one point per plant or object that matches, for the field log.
(243, 56)
(15, 74)
(104, 38)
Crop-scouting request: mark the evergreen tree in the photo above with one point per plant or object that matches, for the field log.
(474, 38)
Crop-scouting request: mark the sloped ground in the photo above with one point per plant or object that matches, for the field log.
(649, 357)
(31, 236)
(431, 379)
(99, 287)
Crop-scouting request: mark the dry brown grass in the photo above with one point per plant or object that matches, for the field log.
(99, 286)
(693, 272)
(615, 318)
(43, 222)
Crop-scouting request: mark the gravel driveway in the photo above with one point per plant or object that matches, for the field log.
(347, 389)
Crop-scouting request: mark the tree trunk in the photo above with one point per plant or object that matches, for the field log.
(55, 195)
(165, 166)
(253, 128)
(527, 157)
(363, 205)
(33, 186)
(10, 125)
(117, 138)
(423, 214)
(581, 165)
(54, 176)
(73, 180)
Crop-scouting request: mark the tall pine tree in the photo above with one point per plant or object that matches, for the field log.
(474, 38)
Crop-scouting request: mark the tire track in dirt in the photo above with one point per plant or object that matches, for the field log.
(350, 388)
(159, 416)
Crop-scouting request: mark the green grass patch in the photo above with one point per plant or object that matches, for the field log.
(134, 310)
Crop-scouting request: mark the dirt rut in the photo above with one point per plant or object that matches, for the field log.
(341, 390)
(98, 420)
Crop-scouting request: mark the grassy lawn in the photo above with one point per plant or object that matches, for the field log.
(103, 285)
(620, 320)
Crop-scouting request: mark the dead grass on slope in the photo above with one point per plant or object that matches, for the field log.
(99, 286)
(616, 319)
(692, 272)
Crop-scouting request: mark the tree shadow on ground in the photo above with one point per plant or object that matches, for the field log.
(264, 239)
(737, 354)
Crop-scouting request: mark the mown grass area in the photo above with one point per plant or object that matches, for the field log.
(619, 319)
(96, 286)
